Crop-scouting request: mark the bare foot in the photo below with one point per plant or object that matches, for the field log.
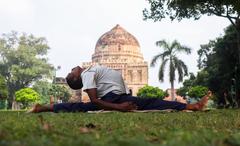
(203, 102)
(35, 109)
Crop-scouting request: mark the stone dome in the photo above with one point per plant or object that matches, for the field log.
(116, 36)
(117, 45)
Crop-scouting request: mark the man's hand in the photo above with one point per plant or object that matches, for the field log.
(127, 106)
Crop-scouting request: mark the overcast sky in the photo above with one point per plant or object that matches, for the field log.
(72, 28)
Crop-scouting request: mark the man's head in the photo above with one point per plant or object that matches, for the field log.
(74, 78)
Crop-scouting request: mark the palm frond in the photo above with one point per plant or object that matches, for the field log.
(163, 44)
(181, 68)
(177, 47)
(155, 59)
(161, 70)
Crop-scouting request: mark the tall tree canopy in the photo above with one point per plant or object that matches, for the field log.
(219, 60)
(180, 9)
(169, 54)
(23, 60)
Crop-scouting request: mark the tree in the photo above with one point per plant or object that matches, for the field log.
(46, 90)
(60, 92)
(43, 89)
(219, 61)
(187, 84)
(151, 92)
(23, 60)
(180, 9)
(197, 91)
(169, 54)
(27, 96)
(3, 88)
(3, 93)
(201, 79)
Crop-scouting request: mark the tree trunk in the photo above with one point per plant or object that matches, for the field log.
(238, 63)
(10, 100)
(172, 91)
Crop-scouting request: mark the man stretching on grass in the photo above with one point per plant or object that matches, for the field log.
(107, 91)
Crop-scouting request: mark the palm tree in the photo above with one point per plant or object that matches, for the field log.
(169, 54)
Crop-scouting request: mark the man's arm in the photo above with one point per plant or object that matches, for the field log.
(126, 106)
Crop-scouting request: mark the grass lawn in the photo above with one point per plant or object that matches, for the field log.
(213, 128)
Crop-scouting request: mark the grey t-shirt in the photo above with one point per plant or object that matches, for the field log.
(104, 79)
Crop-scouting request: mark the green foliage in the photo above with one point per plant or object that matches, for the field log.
(151, 92)
(182, 91)
(3, 104)
(3, 88)
(197, 91)
(212, 128)
(27, 96)
(219, 60)
(228, 45)
(200, 80)
(187, 84)
(221, 57)
(43, 89)
(60, 91)
(180, 9)
(46, 89)
(23, 60)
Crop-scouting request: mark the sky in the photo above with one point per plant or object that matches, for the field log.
(72, 28)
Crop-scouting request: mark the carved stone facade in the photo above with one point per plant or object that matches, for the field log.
(120, 50)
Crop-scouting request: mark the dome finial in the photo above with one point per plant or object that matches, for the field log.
(117, 26)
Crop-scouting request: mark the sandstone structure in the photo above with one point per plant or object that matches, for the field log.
(120, 50)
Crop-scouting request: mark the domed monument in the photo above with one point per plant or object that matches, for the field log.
(120, 50)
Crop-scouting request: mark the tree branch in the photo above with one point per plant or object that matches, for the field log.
(229, 18)
(219, 14)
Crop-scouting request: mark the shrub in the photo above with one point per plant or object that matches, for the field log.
(27, 96)
(197, 91)
(151, 92)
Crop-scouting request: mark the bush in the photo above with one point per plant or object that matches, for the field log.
(197, 91)
(182, 91)
(27, 96)
(151, 92)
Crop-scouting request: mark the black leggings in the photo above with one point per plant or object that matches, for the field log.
(142, 104)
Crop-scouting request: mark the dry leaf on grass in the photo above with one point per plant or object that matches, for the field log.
(44, 125)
